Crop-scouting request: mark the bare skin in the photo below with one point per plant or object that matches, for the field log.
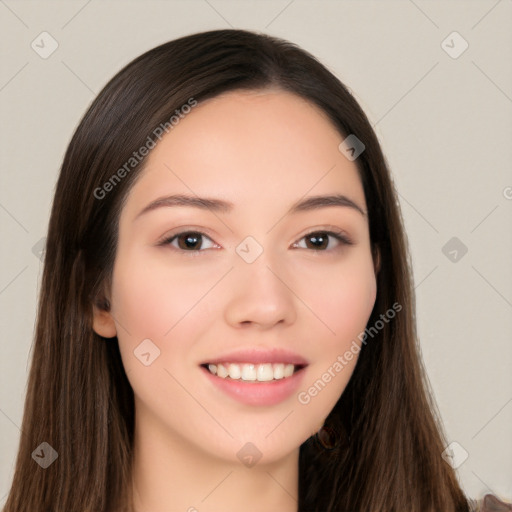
(262, 151)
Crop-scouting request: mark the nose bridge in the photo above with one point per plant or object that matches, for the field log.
(259, 294)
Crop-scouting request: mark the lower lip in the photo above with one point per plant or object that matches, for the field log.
(258, 393)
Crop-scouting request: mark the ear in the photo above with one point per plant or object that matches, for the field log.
(103, 321)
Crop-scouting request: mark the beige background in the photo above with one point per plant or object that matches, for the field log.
(445, 124)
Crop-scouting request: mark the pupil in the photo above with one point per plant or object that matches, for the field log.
(318, 241)
(191, 240)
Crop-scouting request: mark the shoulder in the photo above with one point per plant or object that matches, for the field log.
(489, 503)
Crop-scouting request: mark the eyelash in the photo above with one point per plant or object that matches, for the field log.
(340, 236)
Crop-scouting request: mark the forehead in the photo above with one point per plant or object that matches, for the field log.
(250, 146)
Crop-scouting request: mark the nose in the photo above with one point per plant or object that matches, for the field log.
(261, 295)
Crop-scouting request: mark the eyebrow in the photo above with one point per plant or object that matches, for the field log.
(222, 206)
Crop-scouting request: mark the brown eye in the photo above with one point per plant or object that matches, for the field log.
(320, 240)
(188, 241)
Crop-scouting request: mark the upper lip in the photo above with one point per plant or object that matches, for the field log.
(259, 356)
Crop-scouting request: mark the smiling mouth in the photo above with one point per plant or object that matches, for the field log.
(250, 372)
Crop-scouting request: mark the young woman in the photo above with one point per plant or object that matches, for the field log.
(226, 319)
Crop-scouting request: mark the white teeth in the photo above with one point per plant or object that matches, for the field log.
(234, 371)
(265, 372)
(248, 372)
(221, 371)
(252, 372)
(288, 370)
(278, 371)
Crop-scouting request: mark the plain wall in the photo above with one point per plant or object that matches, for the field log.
(445, 125)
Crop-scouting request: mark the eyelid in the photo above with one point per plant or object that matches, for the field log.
(168, 238)
(187, 229)
(339, 234)
(331, 230)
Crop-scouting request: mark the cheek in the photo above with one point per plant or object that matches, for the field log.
(343, 299)
(153, 302)
(150, 299)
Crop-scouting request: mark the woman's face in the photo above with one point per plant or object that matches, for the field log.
(194, 285)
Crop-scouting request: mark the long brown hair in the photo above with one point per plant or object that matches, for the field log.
(389, 439)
